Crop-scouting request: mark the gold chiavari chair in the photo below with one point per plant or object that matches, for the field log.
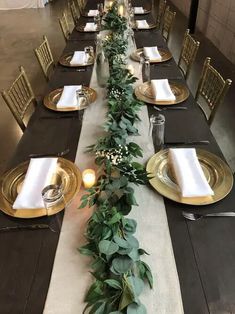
(45, 57)
(81, 5)
(167, 24)
(19, 97)
(64, 25)
(74, 12)
(160, 13)
(188, 53)
(212, 88)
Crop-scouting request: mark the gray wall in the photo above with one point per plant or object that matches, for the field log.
(216, 19)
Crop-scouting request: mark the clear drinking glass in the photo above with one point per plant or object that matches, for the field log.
(52, 195)
(157, 130)
(82, 99)
(146, 69)
(100, 8)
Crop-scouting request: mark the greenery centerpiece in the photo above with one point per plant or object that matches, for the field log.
(118, 271)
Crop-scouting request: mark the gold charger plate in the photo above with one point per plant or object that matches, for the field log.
(144, 92)
(151, 26)
(66, 58)
(53, 97)
(165, 54)
(80, 28)
(67, 175)
(146, 11)
(217, 172)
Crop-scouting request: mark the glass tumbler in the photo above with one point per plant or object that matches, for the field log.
(146, 69)
(157, 130)
(52, 195)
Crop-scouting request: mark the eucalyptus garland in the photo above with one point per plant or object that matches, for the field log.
(118, 271)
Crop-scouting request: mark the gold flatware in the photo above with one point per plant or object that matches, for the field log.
(67, 175)
(66, 58)
(53, 97)
(217, 173)
(165, 54)
(179, 89)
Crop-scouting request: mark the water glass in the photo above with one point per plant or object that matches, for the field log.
(156, 130)
(146, 69)
(52, 195)
(100, 8)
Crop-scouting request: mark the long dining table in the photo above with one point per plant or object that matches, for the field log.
(204, 250)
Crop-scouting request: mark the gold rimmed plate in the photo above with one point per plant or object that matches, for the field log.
(67, 175)
(179, 89)
(151, 26)
(50, 101)
(165, 54)
(81, 28)
(217, 173)
(146, 11)
(66, 58)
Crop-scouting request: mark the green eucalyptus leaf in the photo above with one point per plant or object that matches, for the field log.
(126, 298)
(121, 242)
(113, 283)
(108, 247)
(122, 264)
(134, 255)
(132, 241)
(136, 309)
(137, 285)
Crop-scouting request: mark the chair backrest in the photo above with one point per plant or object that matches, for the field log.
(64, 26)
(74, 12)
(212, 88)
(188, 53)
(168, 20)
(161, 12)
(45, 57)
(19, 97)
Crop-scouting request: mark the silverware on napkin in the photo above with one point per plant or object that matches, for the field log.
(194, 216)
(55, 154)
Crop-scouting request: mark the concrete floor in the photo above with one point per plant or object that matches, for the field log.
(22, 31)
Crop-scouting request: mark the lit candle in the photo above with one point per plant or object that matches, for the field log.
(131, 69)
(121, 10)
(110, 4)
(88, 178)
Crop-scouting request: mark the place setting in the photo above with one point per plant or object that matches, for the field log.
(141, 10)
(78, 59)
(39, 187)
(143, 25)
(162, 92)
(190, 176)
(90, 27)
(154, 54)
(70, 98)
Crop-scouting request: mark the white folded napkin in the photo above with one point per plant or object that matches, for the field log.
(38, 176)
(93, 13)
(188, 173)
(161, 90)
(142, 24)
(69, 97)
(90, 27)
(152, 53)
(79, 57)
(138, 10)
